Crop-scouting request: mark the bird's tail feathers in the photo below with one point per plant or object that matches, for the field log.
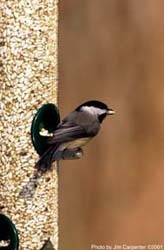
(28, 189)
(45, 161)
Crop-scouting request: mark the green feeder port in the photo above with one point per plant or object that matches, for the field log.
(8, 234)
(46, 119)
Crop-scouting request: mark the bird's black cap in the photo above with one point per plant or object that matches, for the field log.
(93, 103)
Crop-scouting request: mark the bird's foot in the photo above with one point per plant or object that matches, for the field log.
(72, 154)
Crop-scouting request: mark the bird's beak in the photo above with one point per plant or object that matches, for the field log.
(110, 112)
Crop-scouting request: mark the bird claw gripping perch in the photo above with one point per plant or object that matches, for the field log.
(69, 154)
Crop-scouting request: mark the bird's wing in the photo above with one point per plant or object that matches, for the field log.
(67, 133)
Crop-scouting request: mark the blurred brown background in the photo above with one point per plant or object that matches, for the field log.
(113, 50)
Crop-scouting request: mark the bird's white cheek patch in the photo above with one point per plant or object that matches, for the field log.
(94, 110)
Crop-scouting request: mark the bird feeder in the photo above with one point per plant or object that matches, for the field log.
(28, 81)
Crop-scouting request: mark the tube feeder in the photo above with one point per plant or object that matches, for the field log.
(28, 80)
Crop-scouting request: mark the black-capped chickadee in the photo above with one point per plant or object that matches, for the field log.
(74, 132)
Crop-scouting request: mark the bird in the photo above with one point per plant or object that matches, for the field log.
(74, 132)
(67, 140)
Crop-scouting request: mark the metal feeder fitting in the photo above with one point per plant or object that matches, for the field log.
(8, 233)
(47, 118)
